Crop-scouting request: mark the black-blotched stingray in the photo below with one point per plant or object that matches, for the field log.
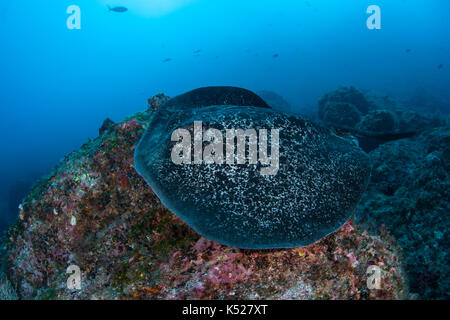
(287, 189)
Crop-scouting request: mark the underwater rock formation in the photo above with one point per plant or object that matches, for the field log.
(341, 114)
(94, 211)
(411, 120)
(409, 188)
(408, 117)
(7, 291)
(385, 116)
(156, 101)
(308, 192)
(107, 124)
(409, 193)
(346, 95)
(380, 121)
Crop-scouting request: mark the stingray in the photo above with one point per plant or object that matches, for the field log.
(208, 96)
(319, 179)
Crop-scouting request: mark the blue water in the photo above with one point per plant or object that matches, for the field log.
(58, 85)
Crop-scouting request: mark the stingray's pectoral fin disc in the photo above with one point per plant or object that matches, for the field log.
(304, 184)
(217, 96)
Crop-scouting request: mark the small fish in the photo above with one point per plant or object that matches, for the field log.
(118, 9)
(440, 66)
(197, 51)
(276, 55)
(167, 60)
(408, 50)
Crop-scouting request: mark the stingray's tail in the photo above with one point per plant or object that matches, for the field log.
(391, 136)
(371, 141)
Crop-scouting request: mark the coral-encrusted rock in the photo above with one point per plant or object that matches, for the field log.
(409, 193)
(411, 120)
(333, 268)
(349, 95)
(94, 211)
(107, 124)
(379, 121)
(341, 114)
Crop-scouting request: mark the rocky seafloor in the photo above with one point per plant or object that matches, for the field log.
(94, 211)
(410, 195)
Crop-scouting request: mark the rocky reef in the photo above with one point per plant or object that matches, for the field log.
(409, 189)
(409, 193)
(7, 291)
(378, 121)
(345, 106)
(350, 107)
(95, 212)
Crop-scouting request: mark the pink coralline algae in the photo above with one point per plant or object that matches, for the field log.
(94, 211)
(156, 101)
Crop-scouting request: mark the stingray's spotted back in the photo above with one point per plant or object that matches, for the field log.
(211, 96)
(319, 181)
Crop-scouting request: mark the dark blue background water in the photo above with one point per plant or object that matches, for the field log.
(58, 85)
